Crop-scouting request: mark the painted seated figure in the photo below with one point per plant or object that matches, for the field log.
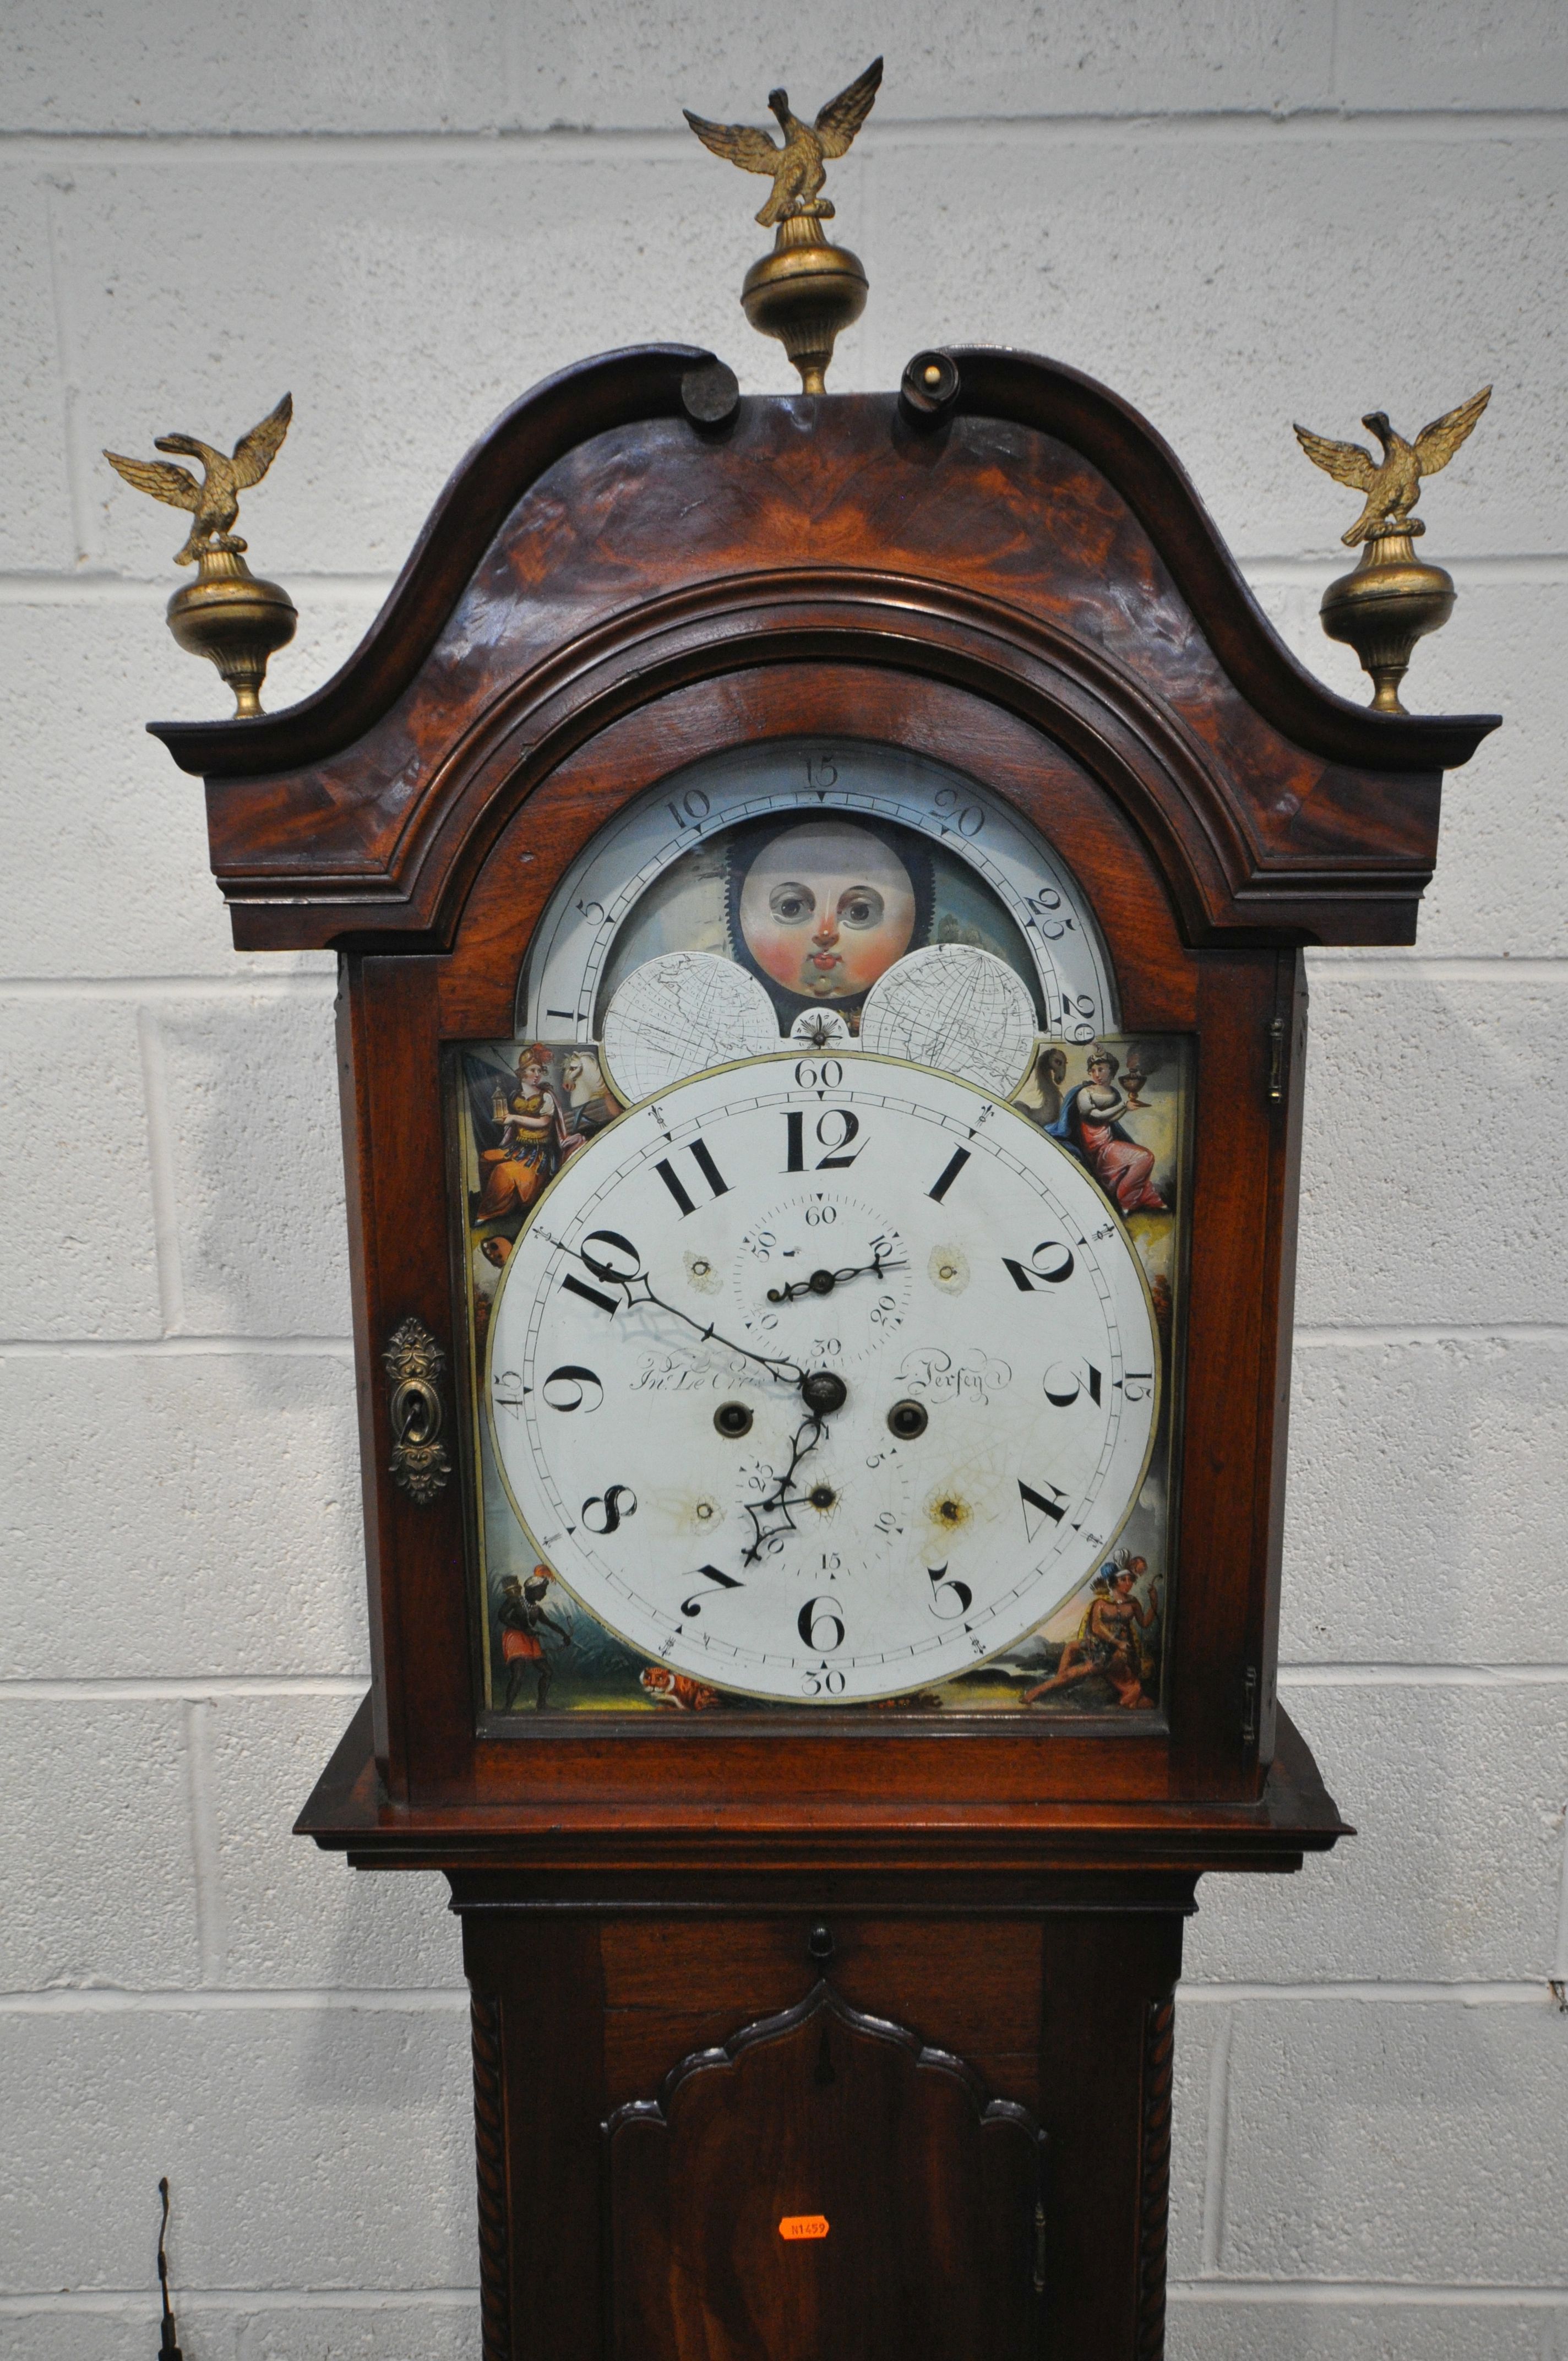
(1091, 1124)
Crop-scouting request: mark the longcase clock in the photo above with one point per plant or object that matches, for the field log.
(820, 885)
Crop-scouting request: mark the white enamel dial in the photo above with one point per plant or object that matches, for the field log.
(823, 1380)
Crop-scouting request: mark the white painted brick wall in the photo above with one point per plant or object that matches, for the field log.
(1239, 212)
(218, 1489)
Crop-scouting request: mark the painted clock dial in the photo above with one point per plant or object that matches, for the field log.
(820, 1379)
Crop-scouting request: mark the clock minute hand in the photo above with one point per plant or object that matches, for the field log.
(637, 1288)
(788, 1373)
(821, 1390)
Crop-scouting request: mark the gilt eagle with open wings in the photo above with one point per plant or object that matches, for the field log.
(795, 168)
(1392, 486)
(215, 501)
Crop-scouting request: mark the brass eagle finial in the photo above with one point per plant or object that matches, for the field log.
(805, 291)
(227, 614)
(796, 166)
(1393, 485)
(1391, 598)
(215, 501)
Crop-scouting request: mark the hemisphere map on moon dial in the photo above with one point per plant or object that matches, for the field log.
(957, 1009)
(677, 1015)
(949, 1007)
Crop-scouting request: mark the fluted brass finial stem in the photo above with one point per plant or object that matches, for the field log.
(806, 292)
(237, 620)
(1384, 606)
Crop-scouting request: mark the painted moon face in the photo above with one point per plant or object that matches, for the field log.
(826, 908)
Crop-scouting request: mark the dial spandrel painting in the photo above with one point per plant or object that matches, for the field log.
(823, 1244)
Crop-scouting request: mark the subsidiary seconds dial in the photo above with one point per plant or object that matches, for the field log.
(823, 1380)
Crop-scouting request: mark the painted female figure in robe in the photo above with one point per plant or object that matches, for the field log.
(1091, 1125)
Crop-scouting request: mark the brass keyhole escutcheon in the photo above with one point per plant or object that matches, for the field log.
(419, 1464)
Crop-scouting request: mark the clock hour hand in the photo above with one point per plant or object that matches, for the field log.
(823, 1282)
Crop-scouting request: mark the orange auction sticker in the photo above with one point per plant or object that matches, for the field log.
(803, 2225)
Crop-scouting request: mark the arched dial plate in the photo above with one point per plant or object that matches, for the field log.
(785, 1220)
(562, 990)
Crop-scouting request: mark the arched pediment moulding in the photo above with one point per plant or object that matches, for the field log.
(1039, 550)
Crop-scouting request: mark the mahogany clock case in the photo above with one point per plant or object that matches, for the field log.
(1027, 592)
(404, 1014)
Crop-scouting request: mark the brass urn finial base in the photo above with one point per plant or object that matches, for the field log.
(235, 619)
(1382, 608)
(806, 292)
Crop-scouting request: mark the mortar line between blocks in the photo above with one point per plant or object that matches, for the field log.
(1426, 2294)
(1454, 967)
(1303, 122)
(425, 2000)
(109, 1686)
(210, 1931)
(1325, 966)
(1217, 2147)
(247, 984)
(217, 2000)
(1560, 1965)
(1502, 1332)
(175, 1687)
(1499, 1332)
(1528, 1993)
(1422, 1676)
(27, 585)
(1278, 568)
(42, 585)
(120, 1348)
(76, 461)
(1429, 2294)
(112, 2302)
(160, 1168)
